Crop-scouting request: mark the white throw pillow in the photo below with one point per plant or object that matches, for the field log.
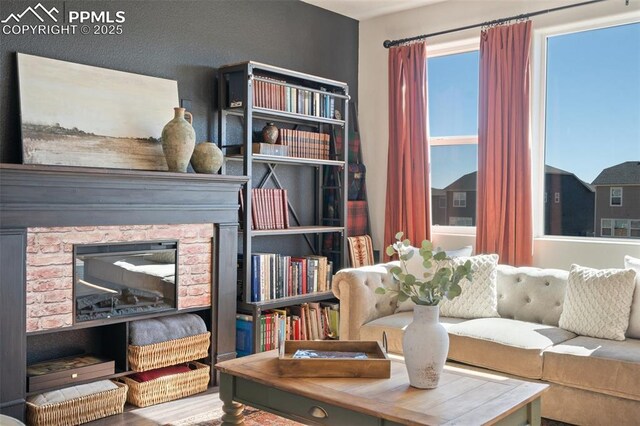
(479, 298)
(415, 268)
(598, 301)
(634, 319)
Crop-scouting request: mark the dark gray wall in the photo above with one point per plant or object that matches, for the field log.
(186, 41)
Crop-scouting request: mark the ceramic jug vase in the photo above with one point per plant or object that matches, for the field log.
(425, 346)
(178, 141)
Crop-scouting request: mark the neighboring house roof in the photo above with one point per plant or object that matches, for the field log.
(627, 173)
(550, 170)
(435, 192)
(465, 183)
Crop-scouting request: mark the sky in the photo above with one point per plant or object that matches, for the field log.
(593, 104)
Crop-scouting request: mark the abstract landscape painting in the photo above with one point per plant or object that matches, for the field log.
(79, 115)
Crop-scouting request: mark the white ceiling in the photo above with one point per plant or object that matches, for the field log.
(365, 9)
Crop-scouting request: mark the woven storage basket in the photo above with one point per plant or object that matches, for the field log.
(79, 410)
(171, 352)
(168, 388)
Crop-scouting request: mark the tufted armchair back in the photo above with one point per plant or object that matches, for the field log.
(531, 294)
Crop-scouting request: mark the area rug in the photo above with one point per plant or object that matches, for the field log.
(255, 417)
(252, 417)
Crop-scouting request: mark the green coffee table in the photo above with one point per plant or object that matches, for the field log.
(463, 397)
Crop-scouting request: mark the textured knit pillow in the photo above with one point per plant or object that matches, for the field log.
(415, 268)
(479, 298)
(634, 318)
(598, 302)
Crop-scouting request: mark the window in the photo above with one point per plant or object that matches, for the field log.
(442, 202)
(459, 199)
(620, 228)
(591, 130)
(453, 130)
(460, 221)
(556, 197)
(615, 197)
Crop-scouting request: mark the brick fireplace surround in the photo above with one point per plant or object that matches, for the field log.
(49, 286)
(45, 210)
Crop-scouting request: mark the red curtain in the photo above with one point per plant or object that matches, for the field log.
(504, 224)
(407, 207)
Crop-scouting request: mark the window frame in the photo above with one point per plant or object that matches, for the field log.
(611, 196)
(462, 199)
(444, 49)
(538, 117)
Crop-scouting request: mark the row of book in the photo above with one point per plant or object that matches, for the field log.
(274, 276)
(305, 144)
(269, 209)
(291, 99)
(308, 321)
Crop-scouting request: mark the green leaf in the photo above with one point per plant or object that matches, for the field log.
(390, 251)
(440, 255)
(399, 235)
(427, 264)
(396, 270)
(402, 297)
(409, 279)
(426, 244)
(406, 243)
(381, 290)
(454, 291)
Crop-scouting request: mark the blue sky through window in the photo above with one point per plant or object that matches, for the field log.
(593, 100)
(592, 105)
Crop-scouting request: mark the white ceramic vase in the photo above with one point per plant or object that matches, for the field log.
(425, 345)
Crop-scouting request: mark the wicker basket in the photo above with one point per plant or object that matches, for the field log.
(171, 352)
(168, 388)
(79, 410)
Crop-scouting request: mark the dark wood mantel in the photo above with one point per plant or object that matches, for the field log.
(50, 196)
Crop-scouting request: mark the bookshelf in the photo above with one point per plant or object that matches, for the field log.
(251, 94)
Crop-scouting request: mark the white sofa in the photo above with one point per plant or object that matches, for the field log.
(592, 381)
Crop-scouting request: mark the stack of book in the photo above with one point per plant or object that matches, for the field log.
(305, 144)
(274, 276)
(291, 99)
(309, 321)
(270, 209)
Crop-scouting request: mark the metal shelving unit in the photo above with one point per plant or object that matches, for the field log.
(246, 114)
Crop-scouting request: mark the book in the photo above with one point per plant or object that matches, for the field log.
(255, 278)
(244, 335)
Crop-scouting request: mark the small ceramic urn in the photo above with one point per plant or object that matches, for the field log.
(178, 141)
(270, 133)
(207, 158)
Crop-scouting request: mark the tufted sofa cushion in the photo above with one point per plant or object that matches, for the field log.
(531, 294)
(505, 345)
(600, 365)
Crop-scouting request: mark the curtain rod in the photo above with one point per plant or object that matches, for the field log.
(390, 43)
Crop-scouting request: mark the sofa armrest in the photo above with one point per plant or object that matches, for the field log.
(359, 303)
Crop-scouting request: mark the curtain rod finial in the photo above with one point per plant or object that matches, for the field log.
(387, 43)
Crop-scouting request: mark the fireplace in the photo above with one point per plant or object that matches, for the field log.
(47, 212)
(114, 280)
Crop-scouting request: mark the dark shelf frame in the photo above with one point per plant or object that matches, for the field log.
(250, 72)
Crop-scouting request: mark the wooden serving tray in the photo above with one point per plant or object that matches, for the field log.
(377, 364)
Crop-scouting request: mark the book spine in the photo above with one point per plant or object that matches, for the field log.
(255, 278)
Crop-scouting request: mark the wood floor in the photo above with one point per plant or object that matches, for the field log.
(162, 414)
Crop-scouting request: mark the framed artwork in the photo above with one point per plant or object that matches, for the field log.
(80, 115)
